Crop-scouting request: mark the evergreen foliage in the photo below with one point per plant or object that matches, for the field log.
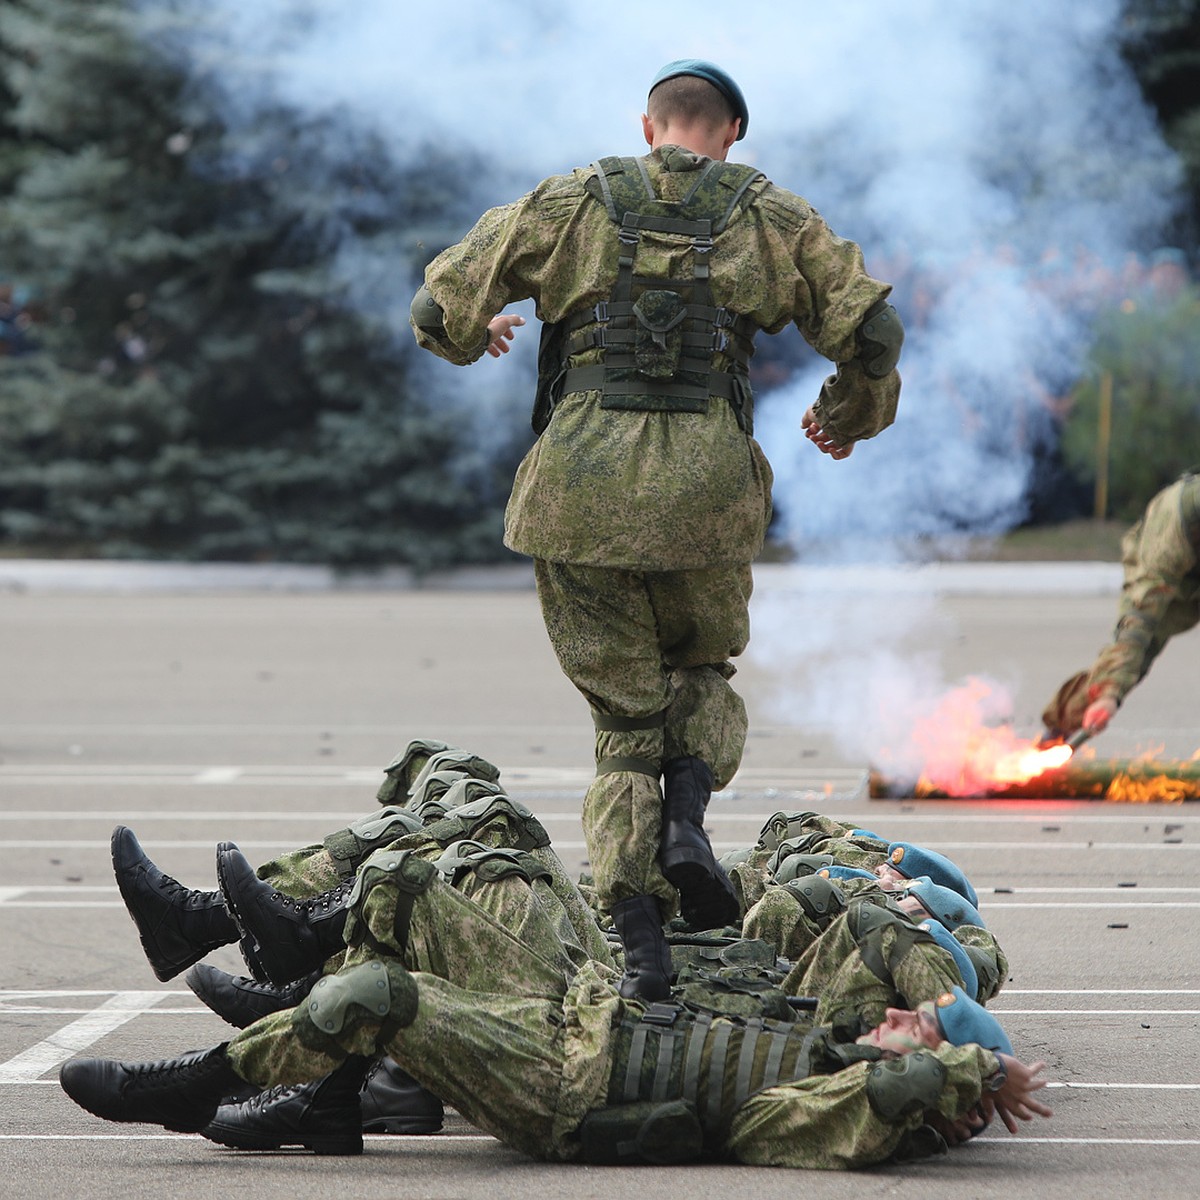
(1149, 349)
(1162, 45)
(203, 390)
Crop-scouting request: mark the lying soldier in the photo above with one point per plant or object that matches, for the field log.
(556, 1063)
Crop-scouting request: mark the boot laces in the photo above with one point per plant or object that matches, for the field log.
(325, 902)
(281, 1091)
(180, 893)
(148, 1074)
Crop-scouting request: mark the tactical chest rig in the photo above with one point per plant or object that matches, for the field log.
(657, 336)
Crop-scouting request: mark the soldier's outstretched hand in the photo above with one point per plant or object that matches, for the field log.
(821, 439)
(1015, 1100)
(1099, 713)
(500, 333)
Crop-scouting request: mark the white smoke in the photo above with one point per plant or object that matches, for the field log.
(992, 158)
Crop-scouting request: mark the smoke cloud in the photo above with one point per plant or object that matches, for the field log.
(995, 160)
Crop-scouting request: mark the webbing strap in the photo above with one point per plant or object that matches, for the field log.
(621, 762)
(695, 1054)
(662, 1068)
(745, 1070)
(779, 1043)
(612, 723)
(403, 919)
(588, 379)
(716, 1069)
(633, 1069)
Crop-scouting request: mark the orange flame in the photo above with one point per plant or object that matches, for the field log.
(964, 755)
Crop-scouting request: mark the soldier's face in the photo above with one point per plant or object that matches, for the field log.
(911, 905)
(889, 878)
(902, 1032)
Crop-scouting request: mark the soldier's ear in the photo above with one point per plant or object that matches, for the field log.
(648, 129)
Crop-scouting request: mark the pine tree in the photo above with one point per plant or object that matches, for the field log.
(203, 389)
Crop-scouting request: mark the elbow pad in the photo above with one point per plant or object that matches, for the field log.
(901, 1087)
(879, 339)
(427, 314)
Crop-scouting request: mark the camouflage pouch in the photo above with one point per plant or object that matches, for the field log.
(747, 992)
(645, 1133)
(659, 337)
(713, 953)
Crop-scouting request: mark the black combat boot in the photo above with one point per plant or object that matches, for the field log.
(707, 899)
(647, 975)
(283, 938)
(394, 1102)
(178, 1093)
(177, 925)
(240, 1000)
(324, 1116)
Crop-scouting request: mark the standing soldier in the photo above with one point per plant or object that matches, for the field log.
(645, 498)
(1159, 599)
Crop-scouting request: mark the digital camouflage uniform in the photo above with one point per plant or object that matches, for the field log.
(1160, 598)
(643, 524)
(858, 960)
(477, 836)
(525, 1046)
(794, 844)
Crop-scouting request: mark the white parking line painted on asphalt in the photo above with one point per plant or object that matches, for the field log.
(1092, 1012)
(1136, 816)
(218, 775)
(1054, 847)
(1170, 1087)
(77, 1036)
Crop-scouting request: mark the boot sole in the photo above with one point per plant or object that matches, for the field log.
(395, 1126)
(249, 945)
(246, 1139)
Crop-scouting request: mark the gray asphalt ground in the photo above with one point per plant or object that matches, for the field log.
(261, 707)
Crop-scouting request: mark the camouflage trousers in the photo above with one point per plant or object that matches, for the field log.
(504, 1027)
(650, 653)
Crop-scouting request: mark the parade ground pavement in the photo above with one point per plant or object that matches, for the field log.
(261, 708)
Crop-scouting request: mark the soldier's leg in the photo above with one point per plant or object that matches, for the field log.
(605, 636)
(401, 908)
(780, 919)
(703, 621)
(497, 1058)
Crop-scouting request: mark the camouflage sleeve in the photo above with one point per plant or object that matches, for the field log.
(470, 284)
(833, 294)
(1157, 601)
(853, 407)
(828, 1122)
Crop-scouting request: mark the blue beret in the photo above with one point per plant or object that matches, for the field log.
(945, 905)
(721, 80)
(962, 1020)
(962, 960)
(838, 872)
(915, 861)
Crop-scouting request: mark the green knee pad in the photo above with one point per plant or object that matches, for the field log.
(900, 1087)
(489, 863)
(820, 898)
(375, 992)
(790, 866)
(349, 847)
(399, 869)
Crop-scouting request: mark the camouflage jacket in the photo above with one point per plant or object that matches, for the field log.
(657, 490)
(1160, 597)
